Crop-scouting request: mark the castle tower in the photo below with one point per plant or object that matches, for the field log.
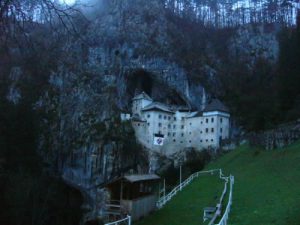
(203, 103)
(139, 102)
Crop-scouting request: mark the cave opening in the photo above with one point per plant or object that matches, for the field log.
(141, 80)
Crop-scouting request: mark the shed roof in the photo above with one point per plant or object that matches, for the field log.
(134, 178)
(216, 105)
(141, 177)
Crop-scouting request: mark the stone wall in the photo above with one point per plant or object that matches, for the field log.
(279, 137)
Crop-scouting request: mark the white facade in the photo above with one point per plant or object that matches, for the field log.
(179, 129)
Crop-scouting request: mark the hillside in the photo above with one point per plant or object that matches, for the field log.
(266, 189)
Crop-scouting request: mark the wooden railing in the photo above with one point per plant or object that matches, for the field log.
(125, 221)
(224, 220)
(163, 200)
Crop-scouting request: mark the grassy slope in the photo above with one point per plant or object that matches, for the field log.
(187, 206)
(267, 187)
(266, 191)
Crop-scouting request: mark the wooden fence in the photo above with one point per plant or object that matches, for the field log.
(224, 219)
(163, 200)
(125, 221)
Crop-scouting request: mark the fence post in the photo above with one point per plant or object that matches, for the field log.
(164, 187)
(180, 179)
(129, 219)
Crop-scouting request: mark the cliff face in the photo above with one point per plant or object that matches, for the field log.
(124, 51)
(131, 41)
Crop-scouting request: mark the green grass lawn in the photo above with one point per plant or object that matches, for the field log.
(187, 206)
(266, 190)
(267, 185)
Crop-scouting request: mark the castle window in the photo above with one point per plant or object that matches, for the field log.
(201, 132)
(212, 140)
(148, 115)
(190, 124)
(174, 140)
(165, 117)
(169, 117)
(169, 134)
(201, 140)
(182, 134)
(212, 120)
(190, 141)
(206, 120)
(159, 116)
(169, 126)
(138, 124)
(174, 118)
(221, 130)
(159, 124)
(182, 118)
(221, 120)
(206, 130)
(174, 134)
(182, 126)
(148, 124)
(181, 142)
(212, 130)
(206, 140)
(201, 122)
(174, 126)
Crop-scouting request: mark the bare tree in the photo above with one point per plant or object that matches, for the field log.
(18, 15)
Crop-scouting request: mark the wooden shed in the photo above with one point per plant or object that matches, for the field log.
(136, 194)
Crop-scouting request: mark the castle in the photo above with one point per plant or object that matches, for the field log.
(167, 129)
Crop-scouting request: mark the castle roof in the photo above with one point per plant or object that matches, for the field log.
(143, 95)
(195, 114)
(158, 106)
(216, 105)
(179, 108)
(137, 118)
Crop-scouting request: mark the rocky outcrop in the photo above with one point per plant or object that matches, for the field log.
(254, 42)
(87, 143)
(14, 93)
